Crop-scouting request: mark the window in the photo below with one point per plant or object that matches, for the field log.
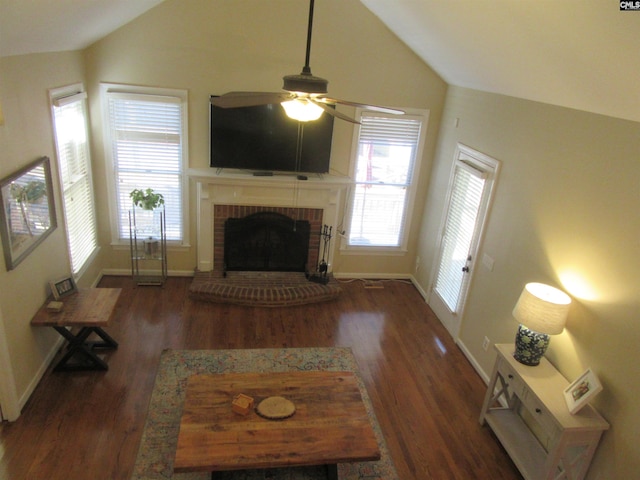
(74, 166)
(386, 163)
(145, 143)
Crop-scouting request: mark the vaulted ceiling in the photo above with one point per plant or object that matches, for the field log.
(36, 26)
(580, 54)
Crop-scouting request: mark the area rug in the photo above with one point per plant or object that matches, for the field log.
(160, 435)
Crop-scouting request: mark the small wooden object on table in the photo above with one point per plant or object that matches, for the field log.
(242, 404)
(330, 425)
(275, 408)
(90, 310)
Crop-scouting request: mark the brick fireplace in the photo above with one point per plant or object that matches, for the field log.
(318, 200)
(222, 213)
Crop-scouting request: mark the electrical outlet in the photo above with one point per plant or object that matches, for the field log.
(417, 264)
(485, 343)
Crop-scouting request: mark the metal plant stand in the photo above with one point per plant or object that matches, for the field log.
(148, 243)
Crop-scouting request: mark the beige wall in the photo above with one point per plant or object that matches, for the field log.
(25, 136)
(565, 213)
(211, 47)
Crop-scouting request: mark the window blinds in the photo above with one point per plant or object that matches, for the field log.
(384, 170)
(147, 136)
(75, 177)
(466, 195)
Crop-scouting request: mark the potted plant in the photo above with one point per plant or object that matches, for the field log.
(146, 199)
(146, 222)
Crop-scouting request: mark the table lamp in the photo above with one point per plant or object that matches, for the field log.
(542, 311)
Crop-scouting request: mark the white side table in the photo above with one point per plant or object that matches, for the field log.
(544, 440)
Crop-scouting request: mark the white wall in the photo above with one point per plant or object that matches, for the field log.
(565, 213)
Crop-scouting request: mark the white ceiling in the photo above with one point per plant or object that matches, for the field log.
(36, 26)
(580, 54)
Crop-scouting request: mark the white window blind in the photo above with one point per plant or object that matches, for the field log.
(466, 196)
(387, 149)
(74, 164)
(147, 135)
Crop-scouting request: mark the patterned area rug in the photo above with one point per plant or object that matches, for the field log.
(160, 435)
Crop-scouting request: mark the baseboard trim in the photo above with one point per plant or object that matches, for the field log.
(121, 272)
(373, 276)
(22, 401)
(472, 360)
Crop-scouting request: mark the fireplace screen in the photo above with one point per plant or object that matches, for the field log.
(266, 241)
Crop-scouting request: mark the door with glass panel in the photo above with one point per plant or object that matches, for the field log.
(468, 199)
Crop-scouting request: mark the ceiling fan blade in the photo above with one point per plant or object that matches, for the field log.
(375, 108)
(333, 111)
(249, 99)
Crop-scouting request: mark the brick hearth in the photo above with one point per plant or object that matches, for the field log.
(262, 289)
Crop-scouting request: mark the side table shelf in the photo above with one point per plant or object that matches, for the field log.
(148, 245)
(544, 440)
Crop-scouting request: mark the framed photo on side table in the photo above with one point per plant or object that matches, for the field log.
(582, 391)
(64, 286)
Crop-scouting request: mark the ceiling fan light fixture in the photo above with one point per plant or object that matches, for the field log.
(302, 110)
(305, 99)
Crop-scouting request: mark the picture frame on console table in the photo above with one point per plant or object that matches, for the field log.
(582, 390)
(63, 287)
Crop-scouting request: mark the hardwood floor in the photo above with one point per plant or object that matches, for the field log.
(427, 397)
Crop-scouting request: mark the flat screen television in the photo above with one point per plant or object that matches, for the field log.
(264, 139)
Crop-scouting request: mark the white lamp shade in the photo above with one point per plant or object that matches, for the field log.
(542, 308)
(302, 110)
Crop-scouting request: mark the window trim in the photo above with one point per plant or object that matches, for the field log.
(120, 89)
(402, 249)
(59, 97)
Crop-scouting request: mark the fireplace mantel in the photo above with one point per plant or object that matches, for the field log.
(325, 192)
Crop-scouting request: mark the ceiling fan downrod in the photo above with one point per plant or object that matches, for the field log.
(307, 69)
(306, 82)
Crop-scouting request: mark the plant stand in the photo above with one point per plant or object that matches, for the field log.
(148, 245)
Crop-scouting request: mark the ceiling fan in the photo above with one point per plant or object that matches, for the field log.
(304, 97)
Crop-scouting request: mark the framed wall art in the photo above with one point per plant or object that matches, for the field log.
(582, 391)
(28, 214)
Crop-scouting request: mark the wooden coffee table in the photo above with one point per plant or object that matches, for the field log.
(330, 424)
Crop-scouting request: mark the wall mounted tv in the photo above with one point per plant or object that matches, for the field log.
(264, 139)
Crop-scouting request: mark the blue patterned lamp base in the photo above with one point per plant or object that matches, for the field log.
(530, 346)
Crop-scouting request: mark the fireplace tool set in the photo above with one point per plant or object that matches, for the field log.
(321, 275)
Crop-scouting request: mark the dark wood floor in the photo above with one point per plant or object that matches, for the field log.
(426, 395)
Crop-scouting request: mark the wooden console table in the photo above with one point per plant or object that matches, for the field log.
(90, 309)
(544, 440)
